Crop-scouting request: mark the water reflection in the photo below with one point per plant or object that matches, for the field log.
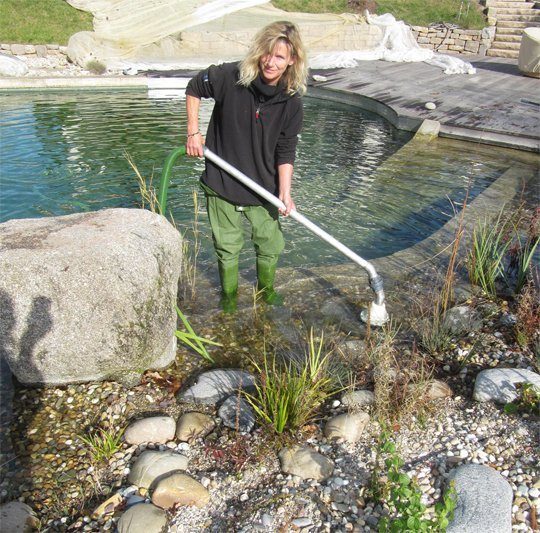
(65, 152)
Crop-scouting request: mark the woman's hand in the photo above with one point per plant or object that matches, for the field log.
(194, 145)
(289, 204)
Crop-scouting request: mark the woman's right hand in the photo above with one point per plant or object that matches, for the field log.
(194, 145)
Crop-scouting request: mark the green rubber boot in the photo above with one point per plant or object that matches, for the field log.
(265, 282)
(228, 275)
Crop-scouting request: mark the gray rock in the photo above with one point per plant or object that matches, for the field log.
(358, 398)
(151, 465)
(17, 516)
(90, 296)
(462, 319)
(305, 463)
(41, 50)
(236, 413)
(348, 426)
(216, 385)
(498, 384)
(143, 518)
(18, 49)
(433, 389)
(179, 489)
(157, 429)
(301, 522)
(484, 500)
(508, 320)
(12, 66)
(193, 425)
(355, 349)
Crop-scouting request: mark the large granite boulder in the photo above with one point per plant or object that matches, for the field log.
(89, 296)
(12, 66)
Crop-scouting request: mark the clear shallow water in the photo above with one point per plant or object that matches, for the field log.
(64, 153)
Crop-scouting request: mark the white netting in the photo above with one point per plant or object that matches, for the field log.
(398, 44)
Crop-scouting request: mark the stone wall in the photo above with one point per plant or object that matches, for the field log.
(33, 50)
(454, 40)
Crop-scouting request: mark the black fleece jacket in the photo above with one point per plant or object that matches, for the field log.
(251, 129)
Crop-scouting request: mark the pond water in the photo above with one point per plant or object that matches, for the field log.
(65, 152)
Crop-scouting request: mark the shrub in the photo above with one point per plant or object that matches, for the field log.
(402, 496)
(95, 67)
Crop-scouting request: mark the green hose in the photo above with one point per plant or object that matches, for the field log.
(166, 176)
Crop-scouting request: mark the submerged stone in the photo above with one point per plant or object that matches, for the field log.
(17, 516)
(236, 413)
(216, 385)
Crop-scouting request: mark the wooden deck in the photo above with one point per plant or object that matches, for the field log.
(497, 105)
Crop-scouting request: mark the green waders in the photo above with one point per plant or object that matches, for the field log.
(228, 235)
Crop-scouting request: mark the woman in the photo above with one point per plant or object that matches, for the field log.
(254, 126)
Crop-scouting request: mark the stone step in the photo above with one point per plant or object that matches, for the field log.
(514, 32)
(534, 17)
(499, 45)
(512, 11)
(507, 38)
(515, 25)
(495, 52)
(511, 5)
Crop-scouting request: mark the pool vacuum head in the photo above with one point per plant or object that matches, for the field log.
(376, 315)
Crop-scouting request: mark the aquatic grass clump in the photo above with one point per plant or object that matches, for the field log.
(103, 444)
(490, 242)
(522, 251)
(289, 393)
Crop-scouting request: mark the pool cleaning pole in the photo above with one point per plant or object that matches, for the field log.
(376, 314)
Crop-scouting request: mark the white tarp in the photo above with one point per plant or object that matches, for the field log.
(148, 21)
(398, 44)
(146, 35)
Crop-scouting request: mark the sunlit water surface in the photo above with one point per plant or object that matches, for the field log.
(65, 152)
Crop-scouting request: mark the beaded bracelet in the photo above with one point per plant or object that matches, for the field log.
(193, 134)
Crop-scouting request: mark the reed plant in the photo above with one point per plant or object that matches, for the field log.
(191, 247)
(147, 190)
(191, 339)
(400, 381)
(289, 393)
(485, 262)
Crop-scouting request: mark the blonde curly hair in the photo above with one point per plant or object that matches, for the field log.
(265, 41)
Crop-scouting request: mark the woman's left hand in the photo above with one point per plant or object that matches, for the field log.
(289, 204)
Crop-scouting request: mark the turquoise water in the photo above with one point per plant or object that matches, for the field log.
(65, 152)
